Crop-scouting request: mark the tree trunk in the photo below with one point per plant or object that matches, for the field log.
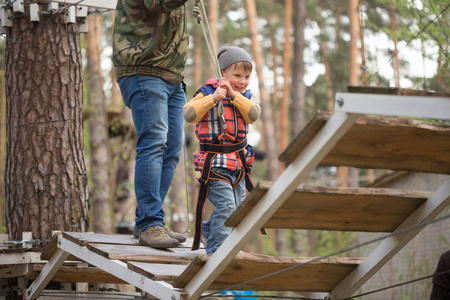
(349, 176)
(287, 56)
(98, 133)
(273, 19)
(2, 136)
(213, 18)
(326, 63)
(396, 61)
(46, 181)
(271, 147)
(298, 85)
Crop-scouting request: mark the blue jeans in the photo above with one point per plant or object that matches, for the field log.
(225, 199)
(157, 108)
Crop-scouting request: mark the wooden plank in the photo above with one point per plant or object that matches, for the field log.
(84, 238)
(51, 247)
(333, 208)
(46, 274)
(158, 272)
(382, 143)
(20, 258)
(320, 276)
(76, 274)
(145, 254)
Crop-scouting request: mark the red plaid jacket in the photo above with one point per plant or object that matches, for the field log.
(208, 131)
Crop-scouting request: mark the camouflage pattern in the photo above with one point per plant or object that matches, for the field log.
(150, 39)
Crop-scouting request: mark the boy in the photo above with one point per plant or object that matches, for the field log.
(224, 157)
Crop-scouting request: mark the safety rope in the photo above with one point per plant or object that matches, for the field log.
(26, 242)
(212, 53)
(400, 232)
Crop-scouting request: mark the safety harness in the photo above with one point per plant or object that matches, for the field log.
(208, 174)
(212, 150)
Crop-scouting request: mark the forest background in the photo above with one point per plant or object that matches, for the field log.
(303, 51)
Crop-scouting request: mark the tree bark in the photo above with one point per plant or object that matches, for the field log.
(46, 181)
(98, 133)
(298, 85)
(271, 147)
(2, 137)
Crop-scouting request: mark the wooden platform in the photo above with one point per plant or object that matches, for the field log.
(319, 276)
(327, 208)
(382, 143)
(178, 265)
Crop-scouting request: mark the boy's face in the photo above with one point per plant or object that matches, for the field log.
(237, 77)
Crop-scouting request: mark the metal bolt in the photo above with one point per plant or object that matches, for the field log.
(340, 101)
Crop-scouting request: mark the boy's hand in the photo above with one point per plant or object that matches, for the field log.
(226, 84)
(219, 94)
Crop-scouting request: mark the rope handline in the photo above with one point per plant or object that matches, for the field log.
(411, 39)
(402, 231)
(212, 54)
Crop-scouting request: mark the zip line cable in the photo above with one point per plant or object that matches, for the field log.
(411, 39)
(397, 285)
(402, 231)
(349, 298)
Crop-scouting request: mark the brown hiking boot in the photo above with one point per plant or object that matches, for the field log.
(175, 235)
(157, 237)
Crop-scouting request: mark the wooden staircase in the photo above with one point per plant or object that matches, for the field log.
(348, 137)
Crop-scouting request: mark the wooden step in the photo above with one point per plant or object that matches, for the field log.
(332, 208)
(145, 254)
(319, 276)
(121, 241)
(76, 274)
(382, 143)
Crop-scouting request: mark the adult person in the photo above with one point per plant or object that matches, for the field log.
(441, 278)
(150, 51)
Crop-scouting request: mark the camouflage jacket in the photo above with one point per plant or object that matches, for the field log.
(150, 39)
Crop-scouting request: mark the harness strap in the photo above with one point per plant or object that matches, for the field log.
(207, 174)
(221, 148)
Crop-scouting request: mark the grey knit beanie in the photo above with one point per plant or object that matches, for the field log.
(229, 55)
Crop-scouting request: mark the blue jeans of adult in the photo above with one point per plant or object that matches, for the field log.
(225, 199)
(157, 109)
